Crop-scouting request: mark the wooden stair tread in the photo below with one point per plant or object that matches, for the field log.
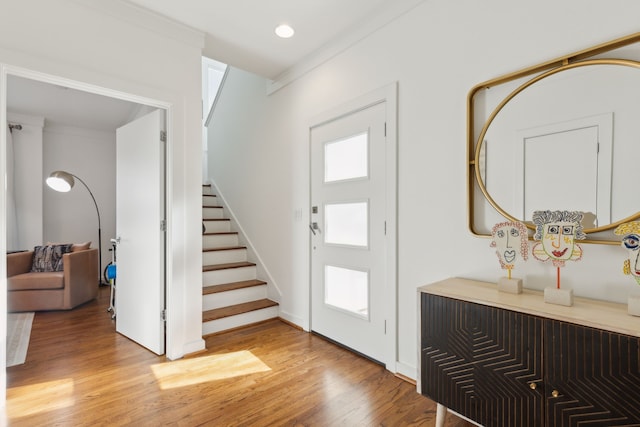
(238, 309)
(224, 248)
(213, 289)
(217, 267)
(220, 233)
(234, 310)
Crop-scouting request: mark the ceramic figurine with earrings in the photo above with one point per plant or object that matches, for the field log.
(511, 242)
(630, 232)
(557, 232)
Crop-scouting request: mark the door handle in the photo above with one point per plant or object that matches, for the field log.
(314, 227)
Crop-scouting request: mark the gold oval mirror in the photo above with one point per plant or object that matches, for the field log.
(564, 139)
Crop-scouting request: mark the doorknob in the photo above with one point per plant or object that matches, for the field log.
(314, 227)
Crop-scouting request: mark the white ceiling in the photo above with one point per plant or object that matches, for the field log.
(238, 32)
(241, 32)
(67, 107)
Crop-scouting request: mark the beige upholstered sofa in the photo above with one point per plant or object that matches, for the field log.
(76, 284)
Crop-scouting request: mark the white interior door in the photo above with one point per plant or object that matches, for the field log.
(140, 212)
(348, 264)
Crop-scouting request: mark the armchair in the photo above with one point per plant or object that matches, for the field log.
(76, 284)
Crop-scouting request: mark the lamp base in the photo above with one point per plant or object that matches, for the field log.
(558, 296)
(512, 286)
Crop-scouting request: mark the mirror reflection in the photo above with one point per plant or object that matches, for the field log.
(558, 134)
(568, 141)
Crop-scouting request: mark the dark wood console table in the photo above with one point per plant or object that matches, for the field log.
(502, 359)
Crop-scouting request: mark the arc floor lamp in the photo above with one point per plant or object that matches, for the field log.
(63, 182)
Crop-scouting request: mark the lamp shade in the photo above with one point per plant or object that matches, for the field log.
(60, 181)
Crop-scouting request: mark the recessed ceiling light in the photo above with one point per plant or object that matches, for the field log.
(284, 31)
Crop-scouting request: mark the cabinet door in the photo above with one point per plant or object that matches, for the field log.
(595, 375)
(480, 361)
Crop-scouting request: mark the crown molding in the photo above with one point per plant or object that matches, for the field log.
(342, 42)
(147, 19)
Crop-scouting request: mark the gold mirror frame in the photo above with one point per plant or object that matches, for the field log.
(541, 71)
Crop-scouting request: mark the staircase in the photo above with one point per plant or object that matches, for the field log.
(232, 295)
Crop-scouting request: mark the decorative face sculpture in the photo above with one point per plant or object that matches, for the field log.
(510, 241)
(558, 239)
(630, 233)
(557, 232)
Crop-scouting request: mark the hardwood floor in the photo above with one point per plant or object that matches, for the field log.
(80, 372)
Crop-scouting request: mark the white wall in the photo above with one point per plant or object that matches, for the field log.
(242, 168)
(437, 53)
(109, 45)
(28, 179)
(71, 217)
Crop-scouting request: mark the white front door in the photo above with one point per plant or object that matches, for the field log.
(348, 263)
(140, 212)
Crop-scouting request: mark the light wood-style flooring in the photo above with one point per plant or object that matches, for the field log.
(80, 372)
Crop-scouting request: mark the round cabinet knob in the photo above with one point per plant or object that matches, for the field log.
(533, 386)
(555, 393)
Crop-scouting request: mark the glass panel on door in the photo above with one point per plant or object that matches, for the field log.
(347, 290)
(347, 158)
(347, 224)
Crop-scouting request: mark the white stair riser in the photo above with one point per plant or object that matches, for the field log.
(224, 257)
(212, 213)
(209, 201)
(219, 241)
(207, 190)
(228, 275)
(237, 296)
(217, 226)
(239, 320)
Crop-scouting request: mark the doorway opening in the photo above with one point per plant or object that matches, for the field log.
(71, 126)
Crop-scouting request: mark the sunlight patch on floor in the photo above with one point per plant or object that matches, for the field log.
(186, 372)
(41, 397)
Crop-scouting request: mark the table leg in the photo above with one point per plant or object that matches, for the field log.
(441, 414)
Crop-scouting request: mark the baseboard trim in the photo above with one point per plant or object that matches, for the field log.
(193, 348)
(406, 371)
(293, 325)
(405, 378)
(294, 320)
(195, 353)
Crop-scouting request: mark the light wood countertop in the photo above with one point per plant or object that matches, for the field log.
(586, 312)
